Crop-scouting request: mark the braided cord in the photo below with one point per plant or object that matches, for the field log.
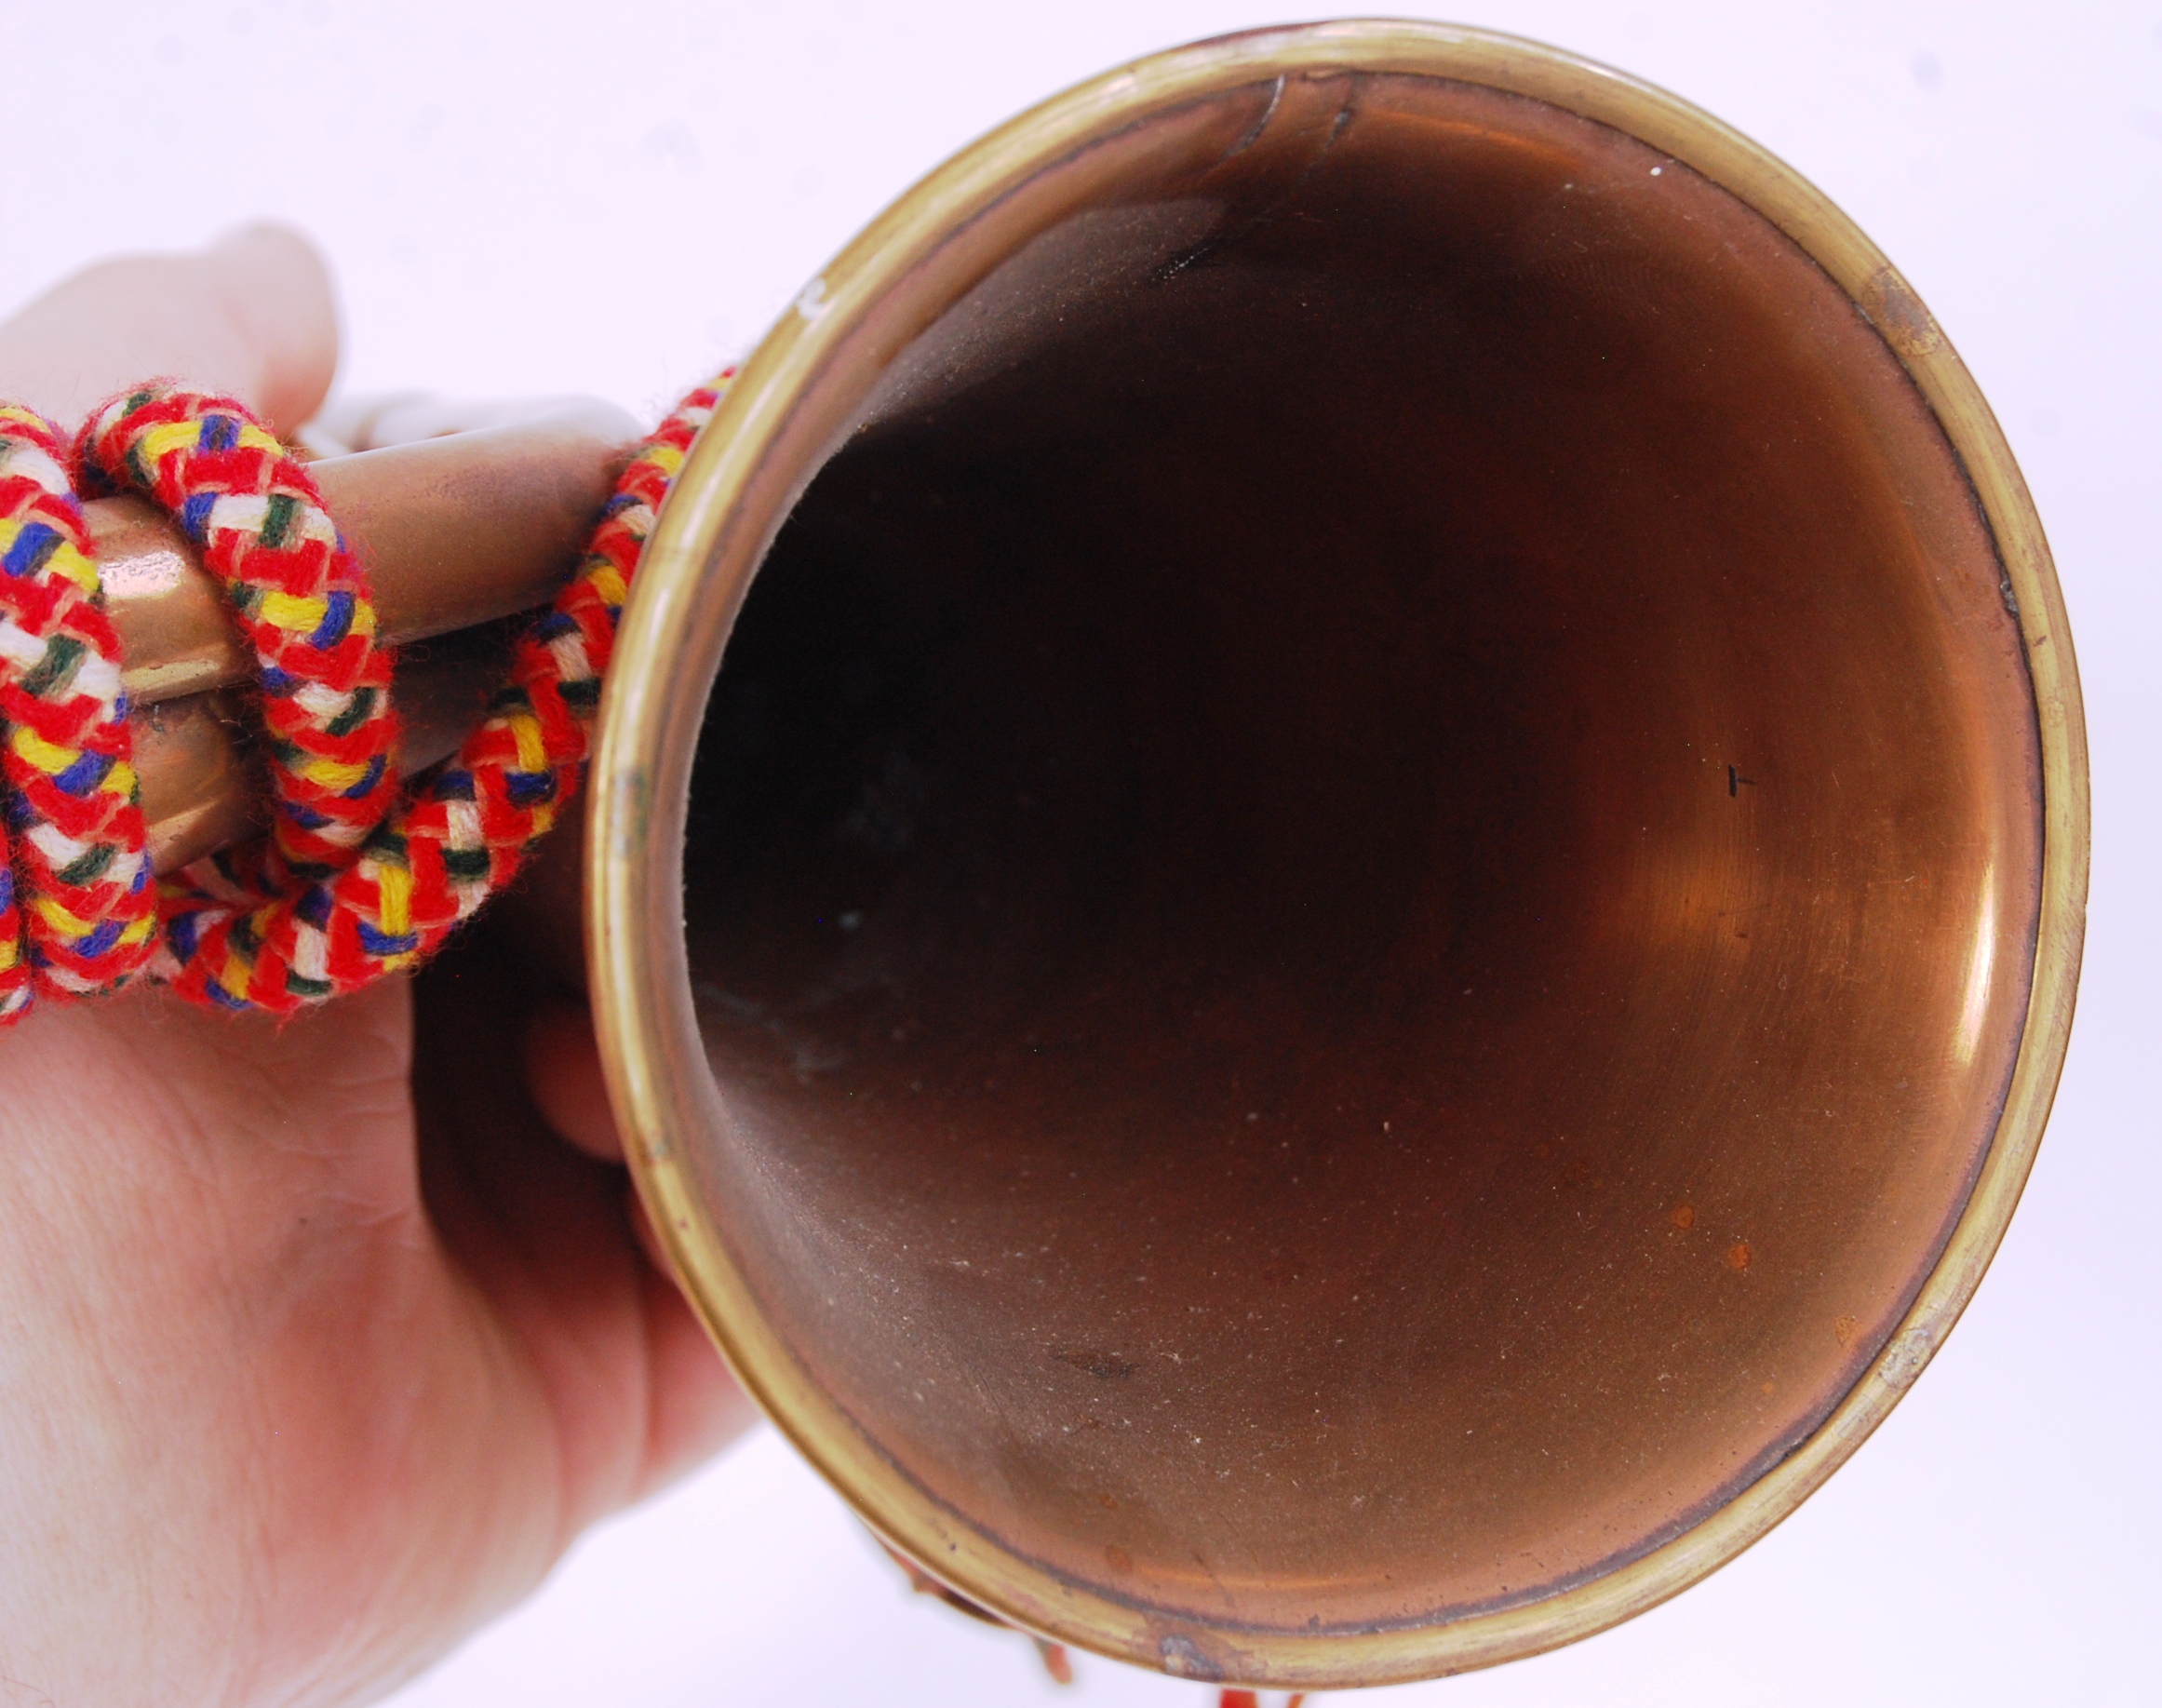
(360, 874)
(73, 851)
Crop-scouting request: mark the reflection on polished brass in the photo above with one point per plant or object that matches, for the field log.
(1375, 913)
(200, 788)
(454, 531)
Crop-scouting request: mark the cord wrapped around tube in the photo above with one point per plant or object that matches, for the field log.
(361, 874)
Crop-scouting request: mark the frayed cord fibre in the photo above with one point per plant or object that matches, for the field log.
(361, 873)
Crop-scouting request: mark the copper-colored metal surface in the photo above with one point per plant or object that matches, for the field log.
(1379, 901)
(454, 531)
(202, 789)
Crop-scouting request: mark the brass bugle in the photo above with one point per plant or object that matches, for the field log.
(1337, 857)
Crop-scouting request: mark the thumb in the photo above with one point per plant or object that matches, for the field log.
(252, 316)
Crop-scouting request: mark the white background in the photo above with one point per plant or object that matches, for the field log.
(544, 198)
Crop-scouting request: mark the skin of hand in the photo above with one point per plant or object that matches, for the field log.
(321, 1341)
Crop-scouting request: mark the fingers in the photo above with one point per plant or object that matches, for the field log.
(564, 1077)
(552, 1239)
(694, 1406)
(275, 288)
(379, 420)
(252, 316)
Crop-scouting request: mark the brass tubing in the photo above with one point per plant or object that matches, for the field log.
(454, 531)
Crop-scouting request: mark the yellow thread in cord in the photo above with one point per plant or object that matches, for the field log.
(75, 567)
(304, 616)
(294, 614)
(333, 775)
(41, 752)
(233, 976)
(59, 918)
(159, 443)
(608, 583)
(393, 889)
(173, 435)
(526, 733)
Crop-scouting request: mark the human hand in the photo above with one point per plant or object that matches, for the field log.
(322, 1343)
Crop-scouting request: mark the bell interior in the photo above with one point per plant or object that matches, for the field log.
(1362, 876)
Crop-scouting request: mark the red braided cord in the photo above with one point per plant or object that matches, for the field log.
(74, 847)
(359, 876)
(257, 519)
